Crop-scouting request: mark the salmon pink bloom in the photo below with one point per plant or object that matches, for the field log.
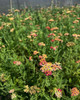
(78, 61)
(76, 21)
(12, 30)
(48, 27)
(57, 39)
(66, 34)
(78, 18)
(76, 35)
(11, 91)
(41, 44)
(54, 28)
(40, 57)
(17, 62)
(30, 58)
(35, 52)
(51, 20)
(54, 48)
(74, 91)
(33, 34)
(51, 34)
(52, 40)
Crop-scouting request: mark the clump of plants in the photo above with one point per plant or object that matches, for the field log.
(40, 54)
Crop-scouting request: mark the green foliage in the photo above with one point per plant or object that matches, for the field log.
(20, 35)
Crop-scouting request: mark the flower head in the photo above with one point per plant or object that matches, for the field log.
(66, 34)
(54, 48)
(54, 28)
(42, 62)
(51, 34)
(16, 10)
(30, 58)
(58, 93)
(13, 95)
(78, 61)
(52, 40)
(34, 89)
(46, 67)
(74, 91)
(76, 36)
(44, 55)
(70, 44)
(26, 89)
(11, 91)
(35, 52)
(57, 39)
(51, 20)
(17, 62)
(1, 27)
(48, 28)
(75, 21)
(78, 18)
(29, 36)
(41, 44)
(11, 18)
(48, 73)
(12, 30)
(33, 34)
(56, 66)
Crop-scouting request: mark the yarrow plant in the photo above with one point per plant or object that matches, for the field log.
(48, 68)
(35, 52)
(32, 43)
(32, 90)
(58, 93)
(74, 91)
(17, 62)
(41, 44)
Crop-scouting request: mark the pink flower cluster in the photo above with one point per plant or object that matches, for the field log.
(42, 60)
(48, 28)
(41, 44)
(35, 52)
(52, 40)
(54, 48)
(48, 67)
(30, 58)
(48, 73)
(74, 91)
(51, 34)
(17, 62)
(78, 61)
(58, 93)
(56, 66)
(33, 34)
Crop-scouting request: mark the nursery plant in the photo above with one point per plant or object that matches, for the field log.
(40, 54)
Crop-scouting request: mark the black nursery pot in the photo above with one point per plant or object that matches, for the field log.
(0, 97)
(8, 97)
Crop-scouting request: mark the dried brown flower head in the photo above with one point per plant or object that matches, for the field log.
(70, 44)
